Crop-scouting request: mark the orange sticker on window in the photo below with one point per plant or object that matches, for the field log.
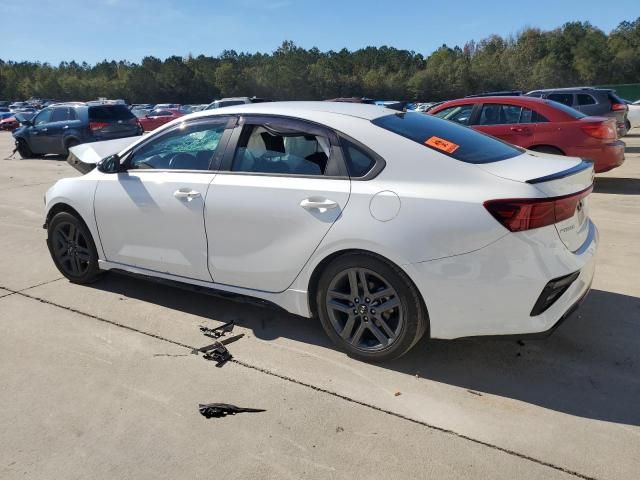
(441, 144)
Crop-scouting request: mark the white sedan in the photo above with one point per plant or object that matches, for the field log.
(383, 225)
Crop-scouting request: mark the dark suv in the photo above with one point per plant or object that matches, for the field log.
(595, 102)
(61, 126)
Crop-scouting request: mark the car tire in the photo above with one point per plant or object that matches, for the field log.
(378, 323)
(72, 248)
(68, 144)
(23, 149)
(547, 149)
(627, 127)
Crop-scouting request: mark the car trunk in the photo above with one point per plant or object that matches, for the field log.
(567, 181)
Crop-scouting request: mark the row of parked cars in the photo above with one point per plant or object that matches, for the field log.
(60, 126)
(583, 122)
(580, 122)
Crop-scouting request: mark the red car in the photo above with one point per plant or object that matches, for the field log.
(540, 125)
(10, 123)
(155, 118)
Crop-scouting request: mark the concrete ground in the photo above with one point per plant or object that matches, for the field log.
(99, 381)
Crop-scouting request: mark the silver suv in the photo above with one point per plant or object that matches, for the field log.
(597, 102)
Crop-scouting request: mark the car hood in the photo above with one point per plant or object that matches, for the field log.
(84, 157)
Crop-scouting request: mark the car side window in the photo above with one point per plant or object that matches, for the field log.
(60, 114)
(460, 113)
(564, 98)
(263, 149)
(188, 148)
(529, 116)
(499, 114)
(42, 118)
(586, 99)
(359, 162)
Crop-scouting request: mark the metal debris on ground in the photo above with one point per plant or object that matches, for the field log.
(218, 331)
(217, 351)
(218, 410)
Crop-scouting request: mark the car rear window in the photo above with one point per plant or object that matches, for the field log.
(568, 110)
(107, 113)
(448, 138)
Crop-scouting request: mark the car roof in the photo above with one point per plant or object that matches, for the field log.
(571, 89)
(303, 109)
(515, 100)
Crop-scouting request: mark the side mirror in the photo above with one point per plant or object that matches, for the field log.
(110, 164)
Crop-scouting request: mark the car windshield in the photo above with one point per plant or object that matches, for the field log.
(448, 138)
(566, 109)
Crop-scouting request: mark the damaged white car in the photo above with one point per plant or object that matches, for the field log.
(383, 225)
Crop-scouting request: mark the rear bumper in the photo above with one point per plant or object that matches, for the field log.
(492, 291)
(605, 157)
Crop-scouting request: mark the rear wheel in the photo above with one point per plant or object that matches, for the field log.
(547, 149)
(72, 248)
(370, 308)
(23, 148)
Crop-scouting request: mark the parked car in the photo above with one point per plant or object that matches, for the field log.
(166, 106)
(158, 117)
(57, 128)
(361, 216)
(5, 113)
(540, 125)
(228, 102)
(601, 102)
(140, 112)
(9, 123)
(18, 105)
(633, 115)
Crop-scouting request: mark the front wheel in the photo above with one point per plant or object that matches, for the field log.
(23, 148)
(72, 248)
(370, 308)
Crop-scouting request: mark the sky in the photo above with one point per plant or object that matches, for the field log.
(93, 30)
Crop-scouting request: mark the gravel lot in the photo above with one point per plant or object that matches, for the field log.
(98, 381)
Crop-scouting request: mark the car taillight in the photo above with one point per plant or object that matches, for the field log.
(518, 214)
(93, 126)
(600, 130)
(618, 106)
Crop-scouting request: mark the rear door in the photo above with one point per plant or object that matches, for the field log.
(56, 128)
(588, 105)
(503, 121)
(158, 202)
(282, 187)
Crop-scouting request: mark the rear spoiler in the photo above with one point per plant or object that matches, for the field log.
(585, 164)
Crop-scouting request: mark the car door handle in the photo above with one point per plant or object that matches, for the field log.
(520, 129)
(310, 203)
(188, 194)
(65, 127)
(44, 129)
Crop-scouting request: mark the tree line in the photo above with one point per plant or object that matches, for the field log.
(575, 54)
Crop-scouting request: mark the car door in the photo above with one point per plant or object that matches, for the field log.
(38, 141)
(150, 215)
(588, 105)
(55, 129)
(282, 186)
(502, 121)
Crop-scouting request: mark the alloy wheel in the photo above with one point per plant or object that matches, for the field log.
(364, 309)
(71, 249)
